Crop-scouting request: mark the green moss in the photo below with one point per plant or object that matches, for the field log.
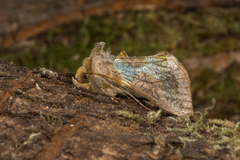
(152, 116)
(213, 131)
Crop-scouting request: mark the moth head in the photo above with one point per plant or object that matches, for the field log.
(81, 72)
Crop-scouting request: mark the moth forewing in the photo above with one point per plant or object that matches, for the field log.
(184, 102)
(160, 78)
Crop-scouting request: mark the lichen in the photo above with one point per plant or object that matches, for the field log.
(152, 116)
(216, 132)
(50, 119)
(126, 114)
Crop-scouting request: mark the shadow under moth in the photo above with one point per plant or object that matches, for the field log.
(160, 78)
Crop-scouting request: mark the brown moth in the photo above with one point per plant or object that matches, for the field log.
(160, 78)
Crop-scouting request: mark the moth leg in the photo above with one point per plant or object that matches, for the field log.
(150, 104)
(81, 85)
(103, 91)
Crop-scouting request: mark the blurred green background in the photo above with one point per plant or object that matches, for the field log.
(197, 38)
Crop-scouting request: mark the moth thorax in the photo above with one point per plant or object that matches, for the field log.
(100, 66)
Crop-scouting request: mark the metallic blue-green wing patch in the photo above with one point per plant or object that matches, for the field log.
(160, 78)
(139, 71)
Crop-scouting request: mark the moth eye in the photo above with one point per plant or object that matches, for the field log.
(85, 77)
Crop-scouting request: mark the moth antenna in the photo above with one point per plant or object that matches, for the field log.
(136, 99)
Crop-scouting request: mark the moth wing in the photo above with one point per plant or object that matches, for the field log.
(159, 78)
(122, 54)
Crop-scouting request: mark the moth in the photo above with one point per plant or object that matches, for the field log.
(161, 79)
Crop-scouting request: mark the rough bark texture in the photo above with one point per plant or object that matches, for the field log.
(20, 20)
(43, 116)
